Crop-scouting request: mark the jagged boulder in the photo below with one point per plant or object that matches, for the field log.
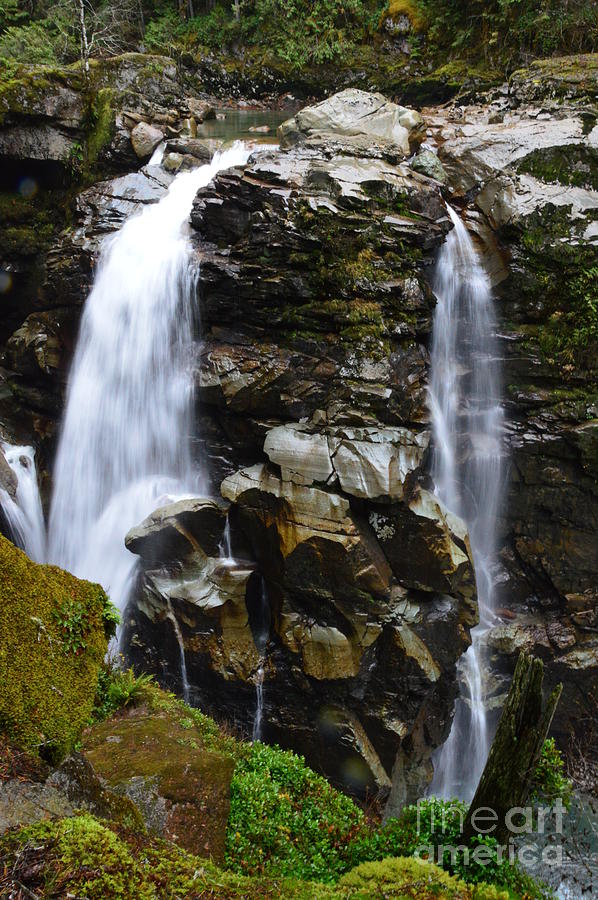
(145, 138)
(356, 114)
(369, 463)
(173, 532)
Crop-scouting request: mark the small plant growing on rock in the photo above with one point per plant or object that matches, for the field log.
(118, 689)
(550, 779)
(74, 626)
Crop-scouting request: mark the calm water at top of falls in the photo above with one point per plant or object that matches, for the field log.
(468, 473)
(124, 443)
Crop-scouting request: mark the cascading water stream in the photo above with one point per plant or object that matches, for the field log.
(179, 639)
(124, 445)
(261, 633)
(468, 472)
(225, 545)
(24, 514)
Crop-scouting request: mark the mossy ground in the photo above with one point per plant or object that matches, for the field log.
(47, 687)
(83, 857)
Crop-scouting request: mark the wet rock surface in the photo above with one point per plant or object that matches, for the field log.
(311, 390)
(528, 161)
(311, 381)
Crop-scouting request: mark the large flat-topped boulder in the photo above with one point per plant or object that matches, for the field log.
(193, 525)
(354, 113)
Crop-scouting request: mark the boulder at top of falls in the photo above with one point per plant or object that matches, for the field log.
(427, 163)
(200, 149)
(177, 530)
(145, 138)
(356, 113)
(200, 109)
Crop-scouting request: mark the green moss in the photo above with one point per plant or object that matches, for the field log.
(349, 274)
(101, 123)
(26, 241)
(24, 91)
(407, 877)
(83, 857)
(558, 281)
(46, 694)
(570, 164)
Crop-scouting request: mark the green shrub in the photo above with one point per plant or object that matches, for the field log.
(407, 877)
(550, 778)
(286, 820)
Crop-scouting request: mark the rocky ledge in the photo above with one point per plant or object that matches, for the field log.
(359, 594)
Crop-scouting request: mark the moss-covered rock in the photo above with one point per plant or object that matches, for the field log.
(173, 765)
(54, 632)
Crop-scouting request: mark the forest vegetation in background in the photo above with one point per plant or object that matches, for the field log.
(501, 34)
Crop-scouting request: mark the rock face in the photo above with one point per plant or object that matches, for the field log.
(529, 162)
(311, 381)
(360, 593)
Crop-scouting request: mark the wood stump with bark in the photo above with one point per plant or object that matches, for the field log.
(507, 777)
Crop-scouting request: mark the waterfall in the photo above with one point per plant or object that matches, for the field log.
(261, 634)
(24, 514)
(225, 546)
(179, 638)
(259, 705)
(468, 472)
(124, 446)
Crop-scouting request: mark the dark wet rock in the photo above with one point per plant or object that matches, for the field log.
(177, 530)
(8, 479)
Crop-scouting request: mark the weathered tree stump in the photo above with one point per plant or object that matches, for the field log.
(507, 778)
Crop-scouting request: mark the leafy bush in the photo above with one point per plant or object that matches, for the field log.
(550, 779)
(286, 820)
(407, 877)
(509, 30)
(28, 43)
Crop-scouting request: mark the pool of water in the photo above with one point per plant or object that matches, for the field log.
(237, 123)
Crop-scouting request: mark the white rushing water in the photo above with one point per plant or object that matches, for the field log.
(179, 638)
(468, 472)
(24, 514)
(124, 444)
(261, 634)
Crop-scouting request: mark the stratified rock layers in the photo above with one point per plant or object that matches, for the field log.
(360, 593)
